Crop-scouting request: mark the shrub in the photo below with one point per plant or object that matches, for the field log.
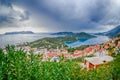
(17, 65)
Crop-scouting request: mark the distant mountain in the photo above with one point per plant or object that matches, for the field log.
(99, 33)
(83, 35)
(63, 33)
(118, 35)
(114, 32)
(21, 32)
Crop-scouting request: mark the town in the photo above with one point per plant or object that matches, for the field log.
(94, 56)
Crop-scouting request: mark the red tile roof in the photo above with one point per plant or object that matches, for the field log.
(77, 55)
(88, 50)
(67, 55)
(54, 54)
(78, 52)
(101, 50)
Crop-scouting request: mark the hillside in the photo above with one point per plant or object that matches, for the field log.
(59, 41)
(114, 32)
(63, 33)
(118, 35)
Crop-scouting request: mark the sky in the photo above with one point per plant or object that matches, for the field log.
(59, 15)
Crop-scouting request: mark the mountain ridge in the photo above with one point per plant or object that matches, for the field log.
(63, 33)
(114, 32)
(111, 33)
(19, 32)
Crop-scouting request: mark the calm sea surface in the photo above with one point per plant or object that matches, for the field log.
(92, 41)
(20, 38)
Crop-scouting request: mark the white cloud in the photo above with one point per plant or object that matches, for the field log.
(12, 15)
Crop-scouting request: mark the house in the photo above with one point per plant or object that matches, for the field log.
(106, 46)
(27, 48)
(68, 56)
(43, 51)
(55, 59)
(118, 44)
(97, 47)
(88, 51)
(64, 51)
(112, 44)
(52, 51)
(101, 52)
(95, 62)
(34, 49)
(77, 53)
(52, 55)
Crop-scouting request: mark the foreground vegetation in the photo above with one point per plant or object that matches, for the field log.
(17, 65)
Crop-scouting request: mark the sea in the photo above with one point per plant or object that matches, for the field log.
(21, 38)
(93, 41)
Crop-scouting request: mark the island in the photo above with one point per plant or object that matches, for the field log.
(20, 32)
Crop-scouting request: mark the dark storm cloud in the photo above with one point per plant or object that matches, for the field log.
(64, 15)
(79, 14)
(11, 14)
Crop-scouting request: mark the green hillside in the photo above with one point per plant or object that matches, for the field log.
(59, 41)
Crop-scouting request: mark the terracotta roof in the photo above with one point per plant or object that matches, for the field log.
(106, 46)
(101, 50)
(77, 55)
(88, 50)
(67, 55)
(97, 46)
(54, 54)
(78, 52)
(58, 54)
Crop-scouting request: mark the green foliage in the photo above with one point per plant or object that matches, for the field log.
(17, 65)
(116, 68)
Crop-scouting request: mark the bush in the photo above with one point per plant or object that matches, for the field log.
(17, 65)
